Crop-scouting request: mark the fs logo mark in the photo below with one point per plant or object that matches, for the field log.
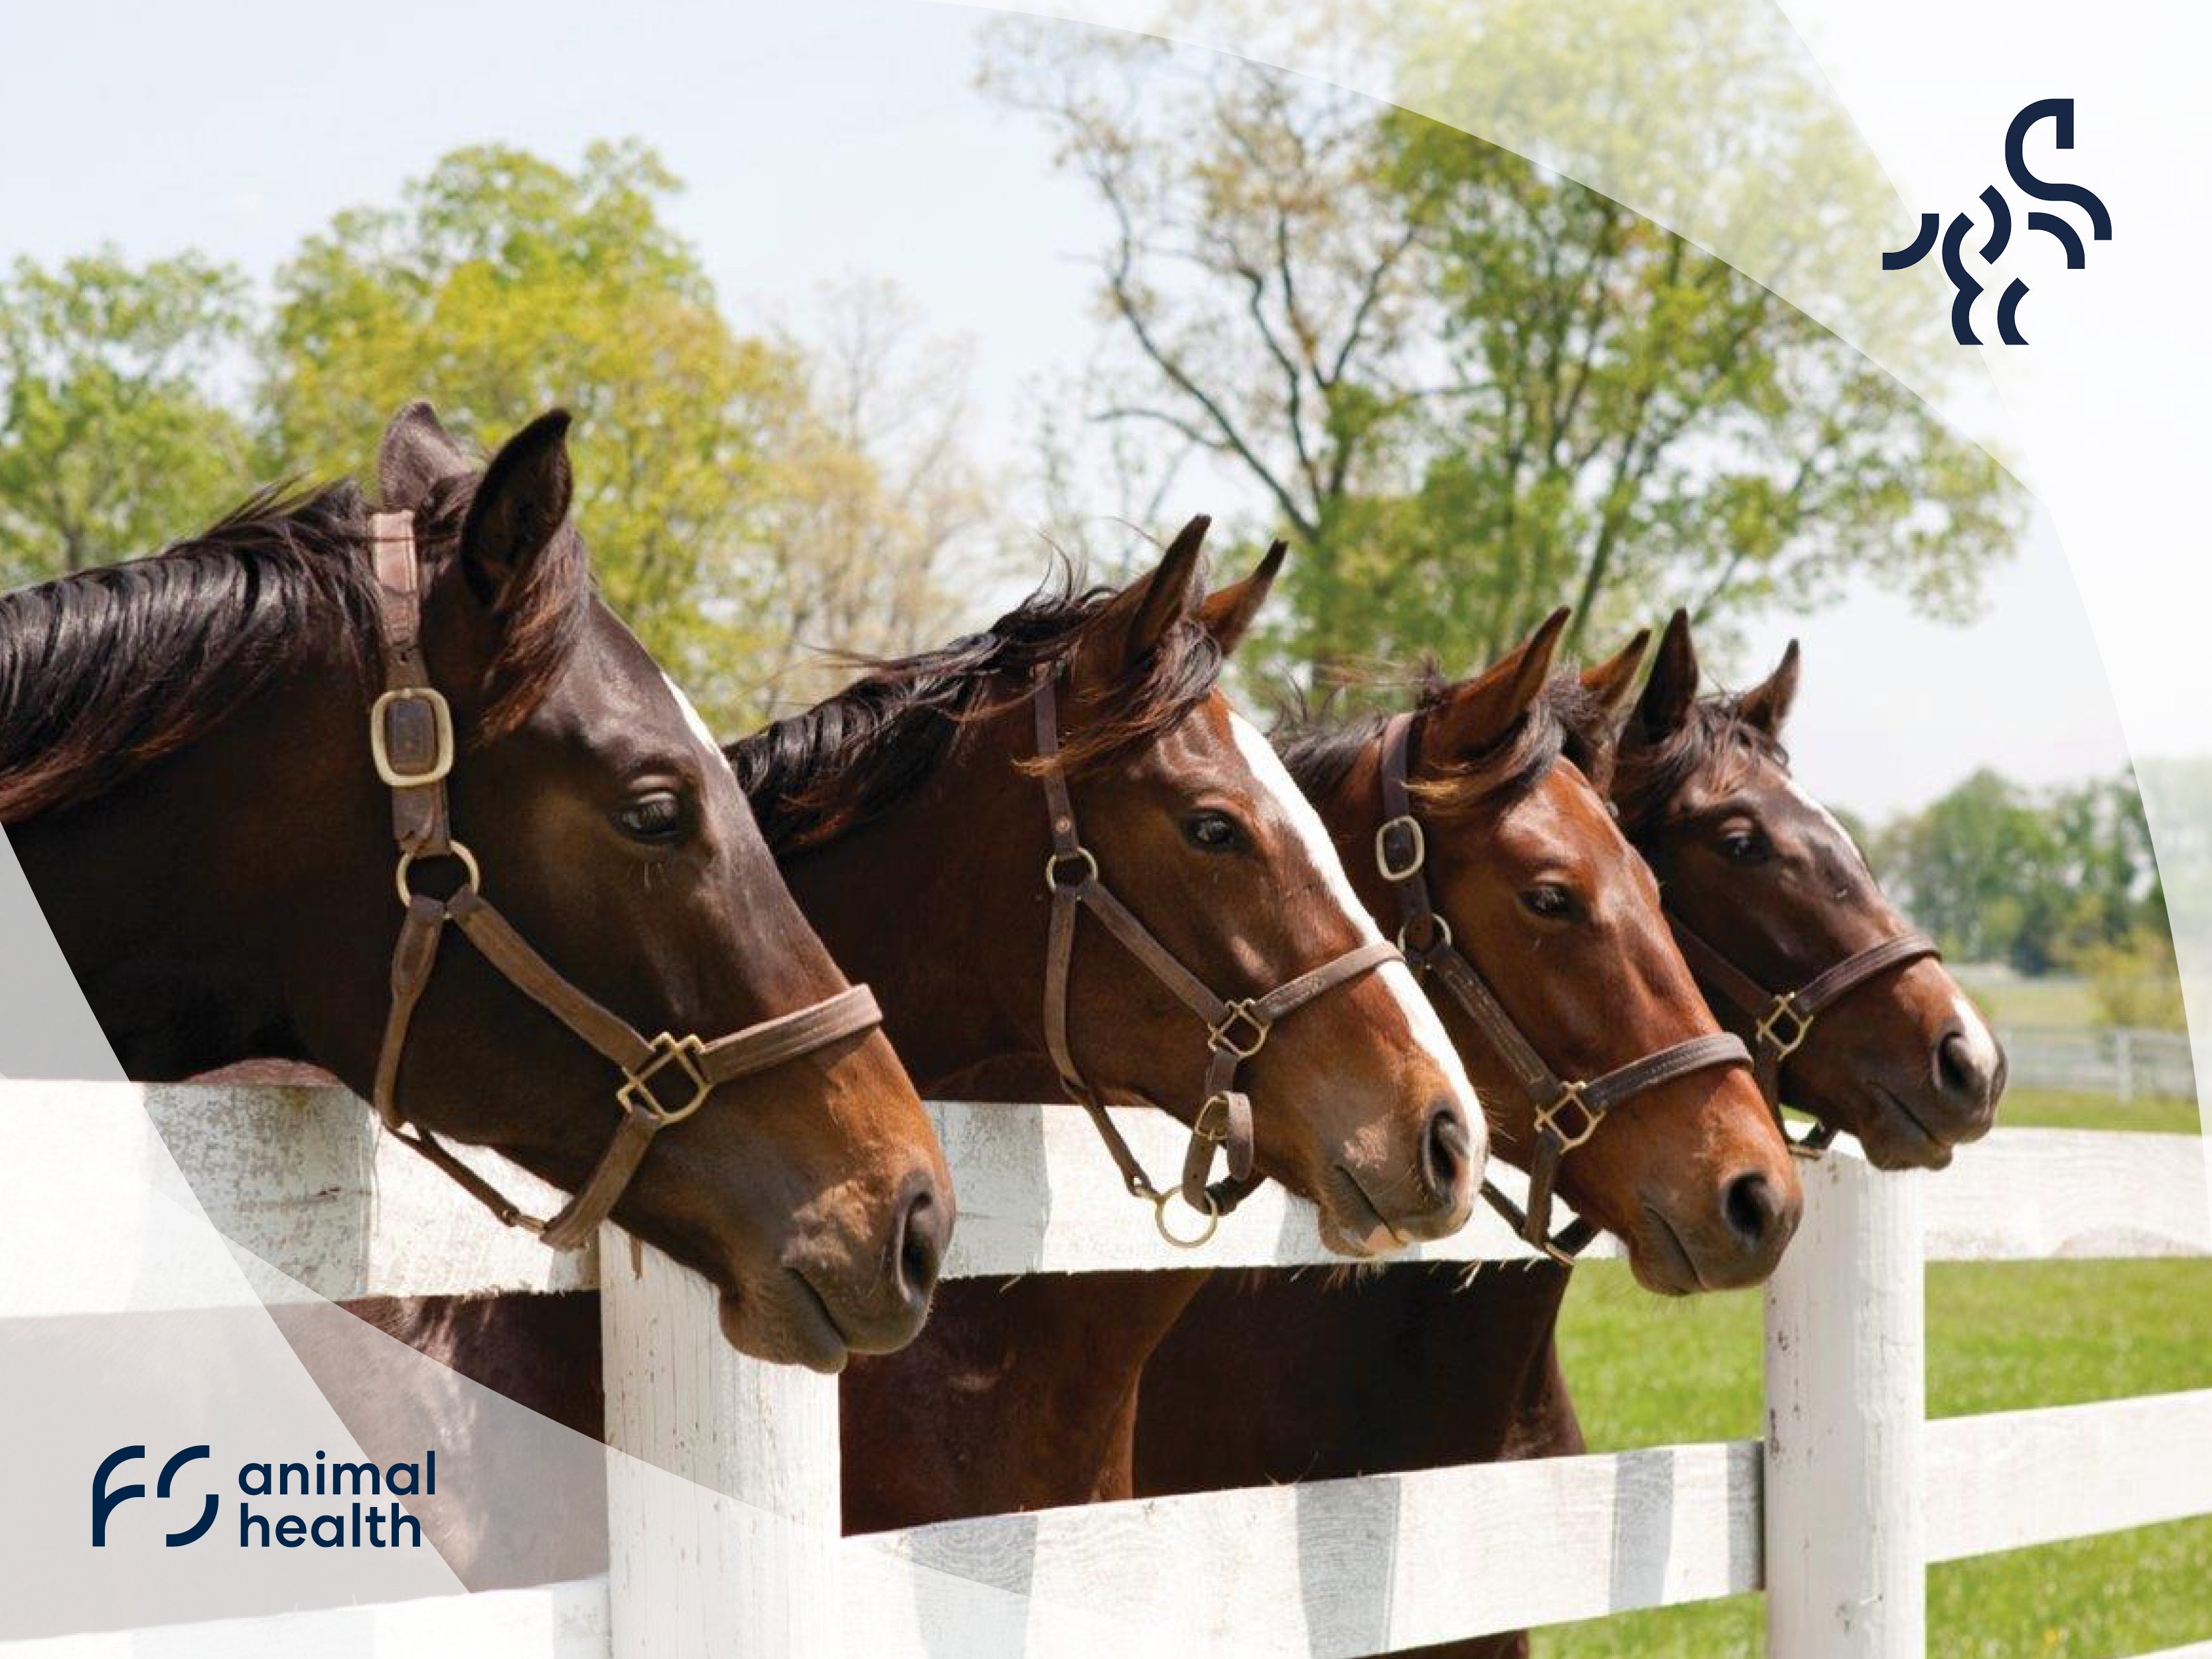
(2061, 112)
(104, 1501)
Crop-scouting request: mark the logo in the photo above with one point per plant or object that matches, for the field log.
(104, 1501)
(2060, 111)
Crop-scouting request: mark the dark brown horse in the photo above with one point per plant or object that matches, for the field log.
(910, 821)
(1463, 1370)
(186, 772)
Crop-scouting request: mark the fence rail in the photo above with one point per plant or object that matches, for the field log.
(2116, 1061)
(723, 1523)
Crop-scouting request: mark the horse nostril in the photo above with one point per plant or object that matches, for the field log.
(1753, 1209)
(1446, 1152)
(1959, 1072)
(925, 1231)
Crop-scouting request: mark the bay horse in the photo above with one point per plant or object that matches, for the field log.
(1465, 1367)
(910, 819)
(210, 759)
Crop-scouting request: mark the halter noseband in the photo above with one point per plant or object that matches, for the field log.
(665, 1080)
(1235, 1030)
(1567, 1113)
(1781, 1021)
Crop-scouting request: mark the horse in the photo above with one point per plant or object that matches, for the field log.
(911, 818)
(1464, 1368)
(210, 759)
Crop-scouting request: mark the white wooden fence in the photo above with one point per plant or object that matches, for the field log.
(2106, 1059)
(1836, 1515)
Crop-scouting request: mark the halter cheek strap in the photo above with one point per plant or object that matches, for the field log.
(1567, 1113)
(1780, 1021)
(665, 1078)
(1235, 1029)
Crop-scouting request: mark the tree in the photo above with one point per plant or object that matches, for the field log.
(1470, 388)
(110, 443)
(503, 284)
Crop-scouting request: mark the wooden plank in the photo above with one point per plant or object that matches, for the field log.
(1038, 1194)
(2007, 1480)
(1320, 1569)
(722, 1479)
(2031, 1195)
(299, 1179)
(1846, 1398)
(550, 1621)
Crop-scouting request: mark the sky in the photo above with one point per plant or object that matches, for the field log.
(842, 139)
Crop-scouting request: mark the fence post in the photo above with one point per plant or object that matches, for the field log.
(723, 1517)
(1846, 1398)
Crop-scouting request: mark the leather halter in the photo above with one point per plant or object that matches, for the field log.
(1781, 1021)
(666, 1079)
(1235, 1029)
(1567, 1113)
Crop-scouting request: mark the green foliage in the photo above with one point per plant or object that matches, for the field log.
(1470, 388)
(504, 284)
(2136, 981)
(1998, 873)
(110, 441)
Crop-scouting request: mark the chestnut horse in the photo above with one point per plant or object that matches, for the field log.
(1465, 1370)
(185, 773)
(911, 822)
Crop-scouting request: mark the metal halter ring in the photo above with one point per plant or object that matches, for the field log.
(1547, 1117)
(1440, 938)
(685, 1054)
(1411, 867)
(1222, 1036)
(1160, 1201)
(1053, 860)
(454, 849)
(1786, 1007)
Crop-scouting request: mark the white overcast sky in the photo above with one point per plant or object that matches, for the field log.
(835, 139)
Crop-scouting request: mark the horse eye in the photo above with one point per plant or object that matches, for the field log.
(655, 818)
(1212, 832)
(1742, 844)
(1549, 900)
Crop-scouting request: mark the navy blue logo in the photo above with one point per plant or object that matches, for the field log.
(2059, 110)
(104, 1501)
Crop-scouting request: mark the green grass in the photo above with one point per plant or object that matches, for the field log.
(2059, 1108)
(2010, 999)
(1648, 1371)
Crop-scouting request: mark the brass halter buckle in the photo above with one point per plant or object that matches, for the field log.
(685, 1054)
(1224, 1036)
(1201, 1127)
(1415, 859)
(1800, 1025)
(380, 714)
(1547, 1117)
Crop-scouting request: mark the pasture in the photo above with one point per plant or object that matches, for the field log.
(2001, 1335)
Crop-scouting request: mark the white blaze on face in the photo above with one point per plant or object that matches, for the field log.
(1275, 783)
(1974, 1031)
(1822, 813)
(692, 717)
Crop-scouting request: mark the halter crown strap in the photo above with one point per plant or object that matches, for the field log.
(665, 1078)
(1237, 1028)
(1781, 1021)
(1567, 1113)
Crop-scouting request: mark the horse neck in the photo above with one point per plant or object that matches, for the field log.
(938, 904)
(172, 895)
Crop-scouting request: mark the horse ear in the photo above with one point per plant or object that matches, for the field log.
(1478, 713)
(1609, 681)
(520, 504)
(1228, 611)
(1673, 687)
(417, 453)
(1766, 706)
(1138, 617)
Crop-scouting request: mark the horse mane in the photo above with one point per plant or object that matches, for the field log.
(105, 672)
(815, 776)
(1713, 738)
(1565, 719)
